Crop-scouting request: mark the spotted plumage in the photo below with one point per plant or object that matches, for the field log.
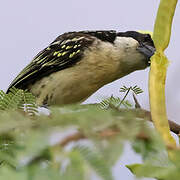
(76, 64)
(65, 51)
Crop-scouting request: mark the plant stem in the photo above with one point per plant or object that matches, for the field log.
(124, 96)
(159, 63)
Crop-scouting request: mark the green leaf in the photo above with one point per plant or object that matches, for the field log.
(111, 149)
(18, 99)
(42, 171)
(147, 170)
(76, 167)
(11, 100)
(96, 161)
(10, 174)
(32, 146)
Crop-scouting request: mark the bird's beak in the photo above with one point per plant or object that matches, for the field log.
(147, 50)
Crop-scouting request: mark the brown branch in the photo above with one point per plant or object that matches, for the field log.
(74, 137)
(110, 132)
(137, 105)
(107, 133)
(175, 128)
(142, 113)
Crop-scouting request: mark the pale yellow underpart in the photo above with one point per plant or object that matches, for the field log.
(100, 65)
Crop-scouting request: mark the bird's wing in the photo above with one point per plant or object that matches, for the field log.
(65, 51)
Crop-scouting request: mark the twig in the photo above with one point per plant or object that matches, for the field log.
(173, 126)
(137, 105)
(142, 113)
(107, 133)
(124, 96)
(75, 137)
(110, 132)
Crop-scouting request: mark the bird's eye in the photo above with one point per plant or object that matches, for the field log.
(148, 40)
(147, 37)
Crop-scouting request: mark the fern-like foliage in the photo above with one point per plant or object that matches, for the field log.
(74, 142)
(137, 90)
(117, 102)
(28, 101)
(12, 100)
(25, 143)
(114, 101)
(18, 99)
(96, 161)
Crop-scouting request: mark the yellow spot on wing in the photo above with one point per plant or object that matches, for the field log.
(78, 51)
(64, 53)
(55, 53)
(59, 54)
(72, 54)
(68, 47)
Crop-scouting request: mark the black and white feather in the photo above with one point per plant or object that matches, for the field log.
(70, 48)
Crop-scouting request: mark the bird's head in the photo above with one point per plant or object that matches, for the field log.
(137, 47)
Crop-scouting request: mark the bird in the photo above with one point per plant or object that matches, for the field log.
(76, 64)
